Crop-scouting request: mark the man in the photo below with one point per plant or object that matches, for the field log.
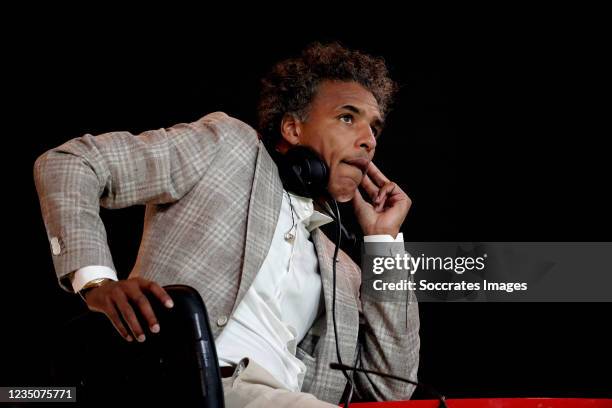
(218, 219)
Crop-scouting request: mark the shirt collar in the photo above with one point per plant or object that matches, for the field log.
(305, 212)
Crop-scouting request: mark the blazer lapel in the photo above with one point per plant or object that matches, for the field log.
(264, 210)
(347, 314)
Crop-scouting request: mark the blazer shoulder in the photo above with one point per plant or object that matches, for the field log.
(231, 126)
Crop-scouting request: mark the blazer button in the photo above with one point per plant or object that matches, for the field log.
(56, 248)
(222, 321)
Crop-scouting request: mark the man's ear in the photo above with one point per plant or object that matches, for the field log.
(291, 130)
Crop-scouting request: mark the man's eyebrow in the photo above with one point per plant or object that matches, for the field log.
(378, 122)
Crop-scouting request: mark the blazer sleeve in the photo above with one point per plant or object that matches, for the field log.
(389, 337)
(116, 170)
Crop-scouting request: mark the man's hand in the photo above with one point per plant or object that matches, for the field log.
(115, 300)
(390, 204)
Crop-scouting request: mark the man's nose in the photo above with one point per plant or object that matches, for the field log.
(367, 140)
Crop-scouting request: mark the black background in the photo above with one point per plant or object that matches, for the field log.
(496, 136)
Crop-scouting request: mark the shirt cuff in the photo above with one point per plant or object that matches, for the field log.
(384, 238)
(88, 273)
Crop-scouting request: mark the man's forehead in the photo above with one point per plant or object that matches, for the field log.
(335, 95)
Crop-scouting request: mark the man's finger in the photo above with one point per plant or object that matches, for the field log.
(370, 187)
(383, 194)
(376, 175)
(161, 294)
(113, 316)
(130, 317)
(147, 311)
(359, 204)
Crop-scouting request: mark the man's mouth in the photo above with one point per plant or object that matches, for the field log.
(360, 163)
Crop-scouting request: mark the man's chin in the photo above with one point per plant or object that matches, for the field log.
(344, 198)
(342, 195)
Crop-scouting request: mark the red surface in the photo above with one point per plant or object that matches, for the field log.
(495, 403)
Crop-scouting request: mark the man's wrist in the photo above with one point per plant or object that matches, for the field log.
(93, 284)
(384, 238)
(86, 274)
(393, 232)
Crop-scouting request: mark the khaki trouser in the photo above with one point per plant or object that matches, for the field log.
(252, 386)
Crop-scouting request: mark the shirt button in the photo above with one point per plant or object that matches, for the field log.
(222, 321)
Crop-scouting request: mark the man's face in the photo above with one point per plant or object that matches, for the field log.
(342, 125)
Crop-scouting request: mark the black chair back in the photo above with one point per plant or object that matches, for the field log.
(178, 365)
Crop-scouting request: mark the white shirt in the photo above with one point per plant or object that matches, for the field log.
(282, 303)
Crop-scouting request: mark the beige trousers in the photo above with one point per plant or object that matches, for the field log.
(252, 386)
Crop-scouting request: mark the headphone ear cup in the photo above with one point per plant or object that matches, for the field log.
(304, 172)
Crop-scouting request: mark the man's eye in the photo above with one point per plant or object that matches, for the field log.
(347, 118)
(375, 131)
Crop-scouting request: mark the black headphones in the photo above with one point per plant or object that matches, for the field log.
(303, 172)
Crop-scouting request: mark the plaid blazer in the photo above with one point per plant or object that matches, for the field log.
(213, 197)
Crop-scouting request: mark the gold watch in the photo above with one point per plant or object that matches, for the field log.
(92, 284)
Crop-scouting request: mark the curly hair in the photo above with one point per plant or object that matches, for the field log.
(292, 84)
